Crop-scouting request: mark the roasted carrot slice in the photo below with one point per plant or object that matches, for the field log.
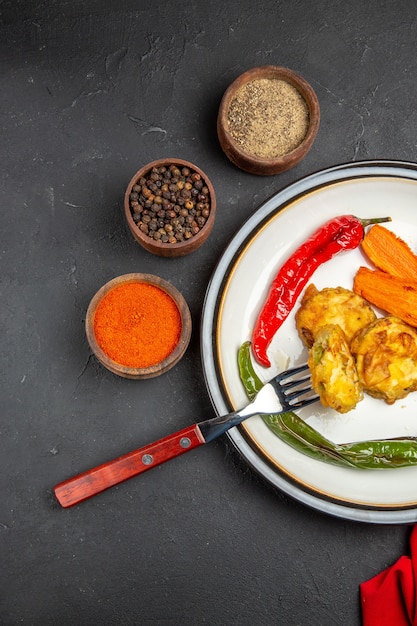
(390, 253)
(389, 293)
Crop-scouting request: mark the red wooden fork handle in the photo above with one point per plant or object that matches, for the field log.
(96, 480)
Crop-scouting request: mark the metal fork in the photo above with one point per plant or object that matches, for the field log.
(289, 391)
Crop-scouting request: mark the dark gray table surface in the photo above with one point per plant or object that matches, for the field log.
(90, 90)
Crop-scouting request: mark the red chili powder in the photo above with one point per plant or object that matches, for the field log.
(137, 324)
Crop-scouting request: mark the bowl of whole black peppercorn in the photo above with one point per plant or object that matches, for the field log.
(170, 207)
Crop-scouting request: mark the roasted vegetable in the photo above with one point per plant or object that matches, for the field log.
(389, 293)
(332, 305)
(333, 371)
(386, 358)
(341, 233)
(390, 253)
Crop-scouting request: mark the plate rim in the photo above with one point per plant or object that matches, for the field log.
(274, 204)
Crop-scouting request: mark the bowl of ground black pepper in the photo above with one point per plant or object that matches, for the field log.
(138, 326)
(170, 207)
(268, 120)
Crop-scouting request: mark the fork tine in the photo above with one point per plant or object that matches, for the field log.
(302, 393)
(303, 403)
(296, 394)
(294, 383)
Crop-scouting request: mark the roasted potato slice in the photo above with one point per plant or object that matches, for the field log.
(332, 305)
(386, 358)
(333, 372)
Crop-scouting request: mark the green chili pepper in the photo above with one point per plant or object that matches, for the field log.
(388, 453)
(290, 428)
(248, 376)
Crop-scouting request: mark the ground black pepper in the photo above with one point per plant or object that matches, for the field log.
(268, 117)
(170, 204)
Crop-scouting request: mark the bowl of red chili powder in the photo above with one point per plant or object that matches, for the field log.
(138, 325)
(170, 207)
(268, 120)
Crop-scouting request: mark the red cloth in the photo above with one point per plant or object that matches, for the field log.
(389, 599)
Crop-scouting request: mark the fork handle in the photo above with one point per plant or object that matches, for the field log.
(96, 480)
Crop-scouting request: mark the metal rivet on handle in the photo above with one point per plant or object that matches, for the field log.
(185, 442)
(147, 459)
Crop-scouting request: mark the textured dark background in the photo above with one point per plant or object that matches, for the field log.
(89, 91)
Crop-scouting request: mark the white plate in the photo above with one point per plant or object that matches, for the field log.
(234, 297)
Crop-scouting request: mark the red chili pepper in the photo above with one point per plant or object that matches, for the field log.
(341, 233)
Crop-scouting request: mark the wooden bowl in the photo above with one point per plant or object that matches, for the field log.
(133, 316)
(200, 231)
(237, 135)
